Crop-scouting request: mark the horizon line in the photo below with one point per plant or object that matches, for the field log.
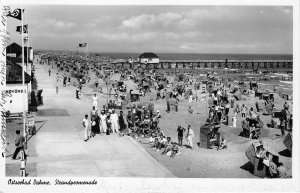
(53, 50)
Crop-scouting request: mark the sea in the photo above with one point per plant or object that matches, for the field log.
(184, 56)
(198, 56)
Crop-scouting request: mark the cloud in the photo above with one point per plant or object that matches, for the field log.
(169, 18)
(194, 34)
(186, 47)
(172, 35)
(167, 28)
(144, 36)
(59, 24)
(94, 23)
(138, 21)
(53, 24)
(189, 18)
(214, 13)
(124, 36)
(149, 20)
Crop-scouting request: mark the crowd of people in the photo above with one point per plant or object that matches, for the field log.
(141, 122)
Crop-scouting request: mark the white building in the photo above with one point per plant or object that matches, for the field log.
(149, 58)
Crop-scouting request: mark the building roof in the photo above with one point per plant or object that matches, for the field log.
(148, 55)
(14, 73)
(15, 48)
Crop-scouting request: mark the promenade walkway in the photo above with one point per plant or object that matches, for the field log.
(58, 149)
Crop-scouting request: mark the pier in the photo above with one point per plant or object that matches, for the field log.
(216, 65)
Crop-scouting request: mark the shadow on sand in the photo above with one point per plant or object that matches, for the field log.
(248, 167)
(285, 153)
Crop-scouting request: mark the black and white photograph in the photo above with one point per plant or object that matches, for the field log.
(162, 93)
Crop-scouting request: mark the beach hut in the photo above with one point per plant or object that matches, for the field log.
(238, 95)
(256, 158)
(209, 136)
(172, 102)
(187, 93)
(135, 95)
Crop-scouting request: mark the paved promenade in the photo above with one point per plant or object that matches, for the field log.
(58, 148)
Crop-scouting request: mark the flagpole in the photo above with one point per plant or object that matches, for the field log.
(27, 56)
(23, 77)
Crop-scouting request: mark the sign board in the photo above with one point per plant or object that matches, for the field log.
(30, 121)
(11, 54)
(31, 54)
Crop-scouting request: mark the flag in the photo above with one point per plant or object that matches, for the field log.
(82, 45)
(25, 29)
(17, 14)
(26, 41)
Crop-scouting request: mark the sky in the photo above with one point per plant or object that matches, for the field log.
(160, 29)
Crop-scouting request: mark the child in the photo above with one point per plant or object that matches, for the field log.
(174, 150)
(168, 146)
(222, 144)
(155, 142)
(152, 139)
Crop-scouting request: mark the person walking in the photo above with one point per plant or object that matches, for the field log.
(122, 123)
(234, 119)
(85, 124)
(93, 127)
(56, 87)
(108, 123)
(96, 82)
(237, 108)
(103, 125)
(189, 137)
(77, 92)
(49, 72)
(95, 101)
(243, 110)
(19, 142)
(257, 106)
(69, 79)
(232, 102)
(57, 77)
(133, 113)
(97, 127)
(93, 113)
(114, 122)
(65, 80)
(180, 131)
(129, 119)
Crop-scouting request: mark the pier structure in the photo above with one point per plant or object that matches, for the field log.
(216, 65)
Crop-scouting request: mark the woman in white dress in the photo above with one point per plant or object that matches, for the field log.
(190, 136)
(95, 101)
(103, 125)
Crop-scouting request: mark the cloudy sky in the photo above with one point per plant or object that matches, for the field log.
(186, 29)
